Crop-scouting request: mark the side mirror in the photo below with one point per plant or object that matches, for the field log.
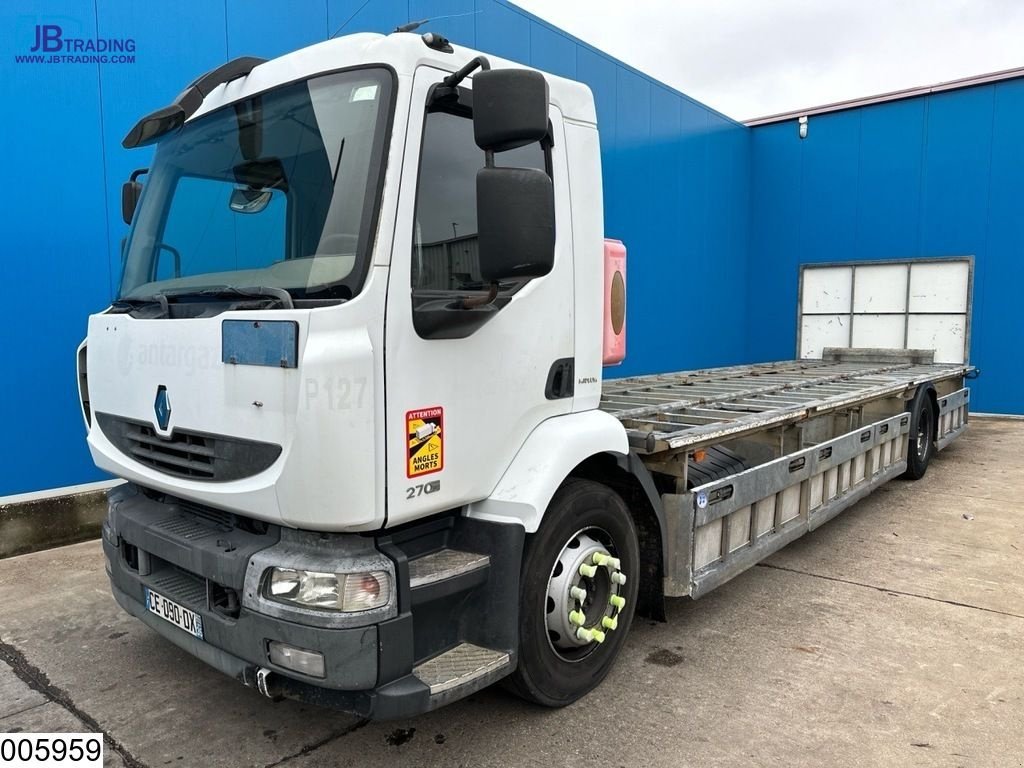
(510, 108)
(515, 210)
(131, 191)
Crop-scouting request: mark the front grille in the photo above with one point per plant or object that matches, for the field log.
(187, 453)
(186, 528)
(181, 586)
(192, 590)
(183, 454)
(218, 518)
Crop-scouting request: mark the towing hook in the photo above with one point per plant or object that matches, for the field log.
(262, 681)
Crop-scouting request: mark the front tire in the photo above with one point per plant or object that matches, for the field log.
(579, 587)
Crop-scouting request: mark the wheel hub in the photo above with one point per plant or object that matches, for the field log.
(584, 597)
(924, 438)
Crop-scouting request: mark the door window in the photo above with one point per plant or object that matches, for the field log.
(445, 257)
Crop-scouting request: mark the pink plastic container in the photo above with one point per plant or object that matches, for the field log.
(614, 350)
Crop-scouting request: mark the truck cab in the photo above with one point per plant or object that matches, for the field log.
(357, 307)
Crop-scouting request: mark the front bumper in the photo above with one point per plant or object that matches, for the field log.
(394, 701)
(199, 559)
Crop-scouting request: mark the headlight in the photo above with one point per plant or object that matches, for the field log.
(348, 592)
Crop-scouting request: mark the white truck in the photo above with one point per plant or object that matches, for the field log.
(354, 382)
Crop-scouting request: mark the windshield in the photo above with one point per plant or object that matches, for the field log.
(278, 191)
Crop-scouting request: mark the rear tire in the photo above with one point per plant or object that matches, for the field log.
(556, 668)
(921, 446)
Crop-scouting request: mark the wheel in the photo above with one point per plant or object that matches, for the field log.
(579, 587)
(921, 445)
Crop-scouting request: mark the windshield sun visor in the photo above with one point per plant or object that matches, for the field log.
(170, 118)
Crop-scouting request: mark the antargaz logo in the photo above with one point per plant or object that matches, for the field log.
(53, 46)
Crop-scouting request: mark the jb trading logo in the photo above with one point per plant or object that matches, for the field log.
(53, 45)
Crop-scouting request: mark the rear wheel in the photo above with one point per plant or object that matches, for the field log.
(921, 446)
(579, 586)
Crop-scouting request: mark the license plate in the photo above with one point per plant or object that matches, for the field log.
(178, 615)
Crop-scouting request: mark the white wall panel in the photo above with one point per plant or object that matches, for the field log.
(820, 331)
(885, 331)
(908, 304)
(827, 290)
(943, 333)
(939, 287)
(881, 288)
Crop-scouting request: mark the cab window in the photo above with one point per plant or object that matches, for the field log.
(445, 254)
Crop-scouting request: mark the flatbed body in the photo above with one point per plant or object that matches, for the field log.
(694, 409)
(748, 458)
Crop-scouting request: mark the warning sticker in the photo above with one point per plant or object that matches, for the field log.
(425, 430)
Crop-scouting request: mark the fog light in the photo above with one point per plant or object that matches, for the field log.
(347, 592)
(298, 659)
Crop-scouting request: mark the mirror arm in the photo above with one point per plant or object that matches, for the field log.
(449, 86)
(459, 75)
(476, 302)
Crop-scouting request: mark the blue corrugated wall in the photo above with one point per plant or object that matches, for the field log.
(936, 175)
(717, 217)
(676, 184)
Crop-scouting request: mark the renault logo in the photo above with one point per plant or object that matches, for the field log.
(162, 408)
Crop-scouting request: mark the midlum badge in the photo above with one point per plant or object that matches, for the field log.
(425, 430)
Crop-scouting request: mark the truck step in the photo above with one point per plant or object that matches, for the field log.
(444, 564)
(463, 665)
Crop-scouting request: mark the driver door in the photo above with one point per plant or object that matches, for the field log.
(466, 387)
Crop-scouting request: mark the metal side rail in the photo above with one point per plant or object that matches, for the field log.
(698, 408)
(730, 524)
(952, 417)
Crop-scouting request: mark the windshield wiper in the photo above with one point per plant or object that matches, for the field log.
(163, 298)
(258, 292)
(134, 302)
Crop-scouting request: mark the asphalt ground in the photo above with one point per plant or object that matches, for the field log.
(893, 635)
